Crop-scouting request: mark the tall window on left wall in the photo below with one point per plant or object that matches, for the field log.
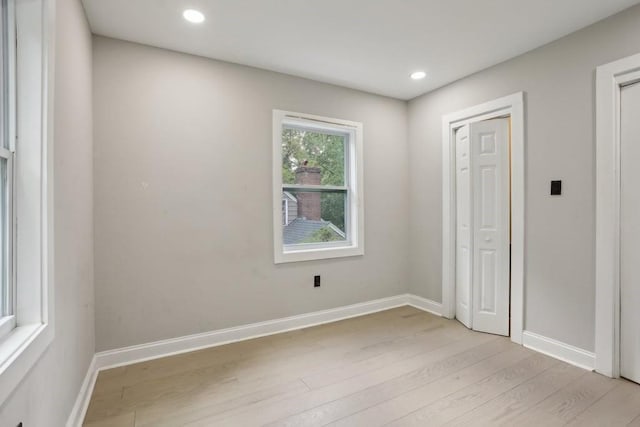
(26, 187)
(7, 155)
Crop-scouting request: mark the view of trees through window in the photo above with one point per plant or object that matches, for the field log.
(322, 150)
(313, 158)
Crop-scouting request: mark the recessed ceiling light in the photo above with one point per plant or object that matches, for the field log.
(418, 75)
(193, 16)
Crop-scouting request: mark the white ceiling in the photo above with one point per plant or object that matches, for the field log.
(372, 45)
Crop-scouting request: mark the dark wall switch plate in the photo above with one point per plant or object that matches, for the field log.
(316, 281)
(556, 188)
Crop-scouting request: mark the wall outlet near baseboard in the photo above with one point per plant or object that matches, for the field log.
(316, 281)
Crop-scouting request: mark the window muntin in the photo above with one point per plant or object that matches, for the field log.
(318, 210)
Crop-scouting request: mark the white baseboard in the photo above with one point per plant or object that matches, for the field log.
(425, 304)
(84, 396)
(169, 347)
(154, 350)
(567, 353)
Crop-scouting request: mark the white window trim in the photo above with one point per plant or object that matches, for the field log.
(26, 343)
(355, 215)
(8, 323)
(609, 80)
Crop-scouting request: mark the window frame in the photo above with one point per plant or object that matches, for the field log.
(7, 152)
(353, 187)
(31, 119)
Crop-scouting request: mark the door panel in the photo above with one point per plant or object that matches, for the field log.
(487, 198)
(487, 281)
(630, 233)
(491, 207)
(464, 260)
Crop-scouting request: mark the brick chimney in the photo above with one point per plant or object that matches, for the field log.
(309, 203)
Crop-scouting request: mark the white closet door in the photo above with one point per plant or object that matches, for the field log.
(464, 231)
(630, 234)
(491, 207)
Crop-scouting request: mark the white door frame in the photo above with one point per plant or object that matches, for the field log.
(609, 80)
(513, 106)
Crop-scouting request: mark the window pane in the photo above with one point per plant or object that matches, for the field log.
(4, 73)
(6, 305)
(312, 157)
(314, 217)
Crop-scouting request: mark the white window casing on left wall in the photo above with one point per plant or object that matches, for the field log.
(30, 61)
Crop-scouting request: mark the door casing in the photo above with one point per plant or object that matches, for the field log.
(630, 233)
(610, 78)
(509, 106)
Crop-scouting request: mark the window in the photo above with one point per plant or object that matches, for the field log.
(318, 202)
(26, 86)
(7, 293)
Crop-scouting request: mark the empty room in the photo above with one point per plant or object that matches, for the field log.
(311, 213)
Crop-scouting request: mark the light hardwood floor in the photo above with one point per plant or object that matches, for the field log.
(398, 367)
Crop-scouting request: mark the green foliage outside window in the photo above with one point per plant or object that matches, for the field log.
(325, 234)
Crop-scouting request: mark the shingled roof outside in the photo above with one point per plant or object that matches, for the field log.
(300, 230)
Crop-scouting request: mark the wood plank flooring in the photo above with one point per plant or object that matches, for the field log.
(400, 367)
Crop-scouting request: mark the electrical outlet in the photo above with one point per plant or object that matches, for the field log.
(316, 281)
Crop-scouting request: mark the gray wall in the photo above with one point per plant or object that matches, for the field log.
(183, 222)
(560, 232)
(47, 394)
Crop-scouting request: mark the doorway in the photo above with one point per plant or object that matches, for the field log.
(629, 232)
(511, 303)
(617, 344)
(483, 225)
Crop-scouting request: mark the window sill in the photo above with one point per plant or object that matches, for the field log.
(7, 325)
(19, 352)
(317, 254)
